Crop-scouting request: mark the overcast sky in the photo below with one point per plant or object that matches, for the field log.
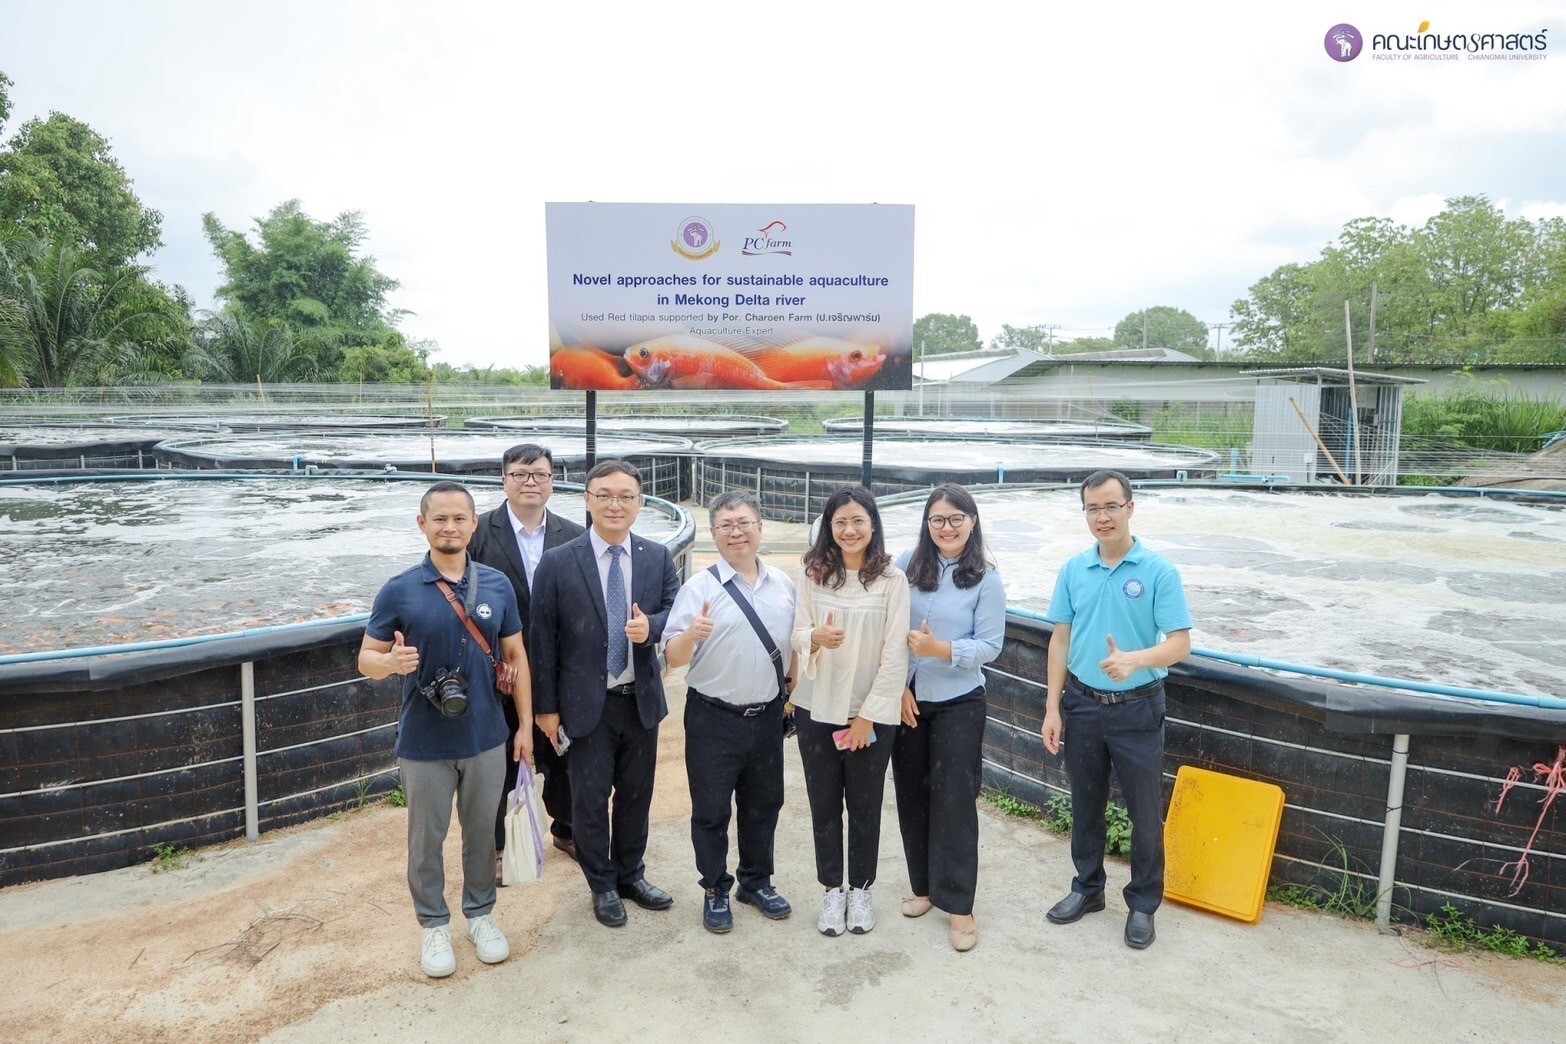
(1067, 166)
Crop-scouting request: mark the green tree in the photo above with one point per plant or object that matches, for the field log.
(1166, 327)
(389, 361)
(307, 274)
(1085, 344)
(1033, 338)
(5, 99)
(942, 334)
(63, 322)
(60, 182)
(1469, 285)
(228, 350)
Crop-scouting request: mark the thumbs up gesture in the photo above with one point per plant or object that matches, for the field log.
(1119, 664)
(404, 657)
(828, 635)
(701, 627)
(637, 628)
(924, 643)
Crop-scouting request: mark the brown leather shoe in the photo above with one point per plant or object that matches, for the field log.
(566, 845)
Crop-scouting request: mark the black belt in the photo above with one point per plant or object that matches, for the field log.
(744, 710)
(628, 689)
(1110, 697)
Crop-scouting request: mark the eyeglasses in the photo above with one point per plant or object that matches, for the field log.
(851, 523)
(1094, 510)
(956, 521)
(744, 526)
(526, 477)
(614, 499)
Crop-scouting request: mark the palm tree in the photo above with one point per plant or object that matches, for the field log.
(63, 322)
(229, 350)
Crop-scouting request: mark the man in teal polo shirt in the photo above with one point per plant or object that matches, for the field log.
(1120, 621)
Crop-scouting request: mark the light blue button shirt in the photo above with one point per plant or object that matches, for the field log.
(1139, 603)
(973, 619)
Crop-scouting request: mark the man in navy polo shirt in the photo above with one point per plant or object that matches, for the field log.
(1121, 621)
(414, 631)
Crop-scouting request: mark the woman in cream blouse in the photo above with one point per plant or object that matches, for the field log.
(851, 634)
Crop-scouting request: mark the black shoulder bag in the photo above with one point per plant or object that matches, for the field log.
(732, 587)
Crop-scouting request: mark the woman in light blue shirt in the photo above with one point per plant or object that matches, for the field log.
(957, 623)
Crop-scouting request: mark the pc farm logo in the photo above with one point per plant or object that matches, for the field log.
(773, 239)
(1344, 43)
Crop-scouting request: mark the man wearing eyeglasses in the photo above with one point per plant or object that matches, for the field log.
(1121, 621)
(599, 605)
(735, 691)
(512, 538)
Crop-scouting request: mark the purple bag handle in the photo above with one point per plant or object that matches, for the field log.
(525, 779)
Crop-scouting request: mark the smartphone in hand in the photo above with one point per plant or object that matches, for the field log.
(840, 738)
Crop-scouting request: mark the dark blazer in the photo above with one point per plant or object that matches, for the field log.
(568, 640)
(495, 544)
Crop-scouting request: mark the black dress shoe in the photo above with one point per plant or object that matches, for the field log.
(1074, 906)
(647, 896)
(608, 908)
(1139, 930)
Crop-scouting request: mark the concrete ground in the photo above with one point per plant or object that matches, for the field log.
(309, 935)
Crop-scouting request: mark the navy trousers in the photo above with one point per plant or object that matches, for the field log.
(1128, 738)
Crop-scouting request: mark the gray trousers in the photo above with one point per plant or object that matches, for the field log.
(430, 786)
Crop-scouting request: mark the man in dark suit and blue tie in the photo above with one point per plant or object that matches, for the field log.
(599, 604)
(513, 538)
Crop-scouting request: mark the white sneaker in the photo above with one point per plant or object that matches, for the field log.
(438, 961)
(831, 920)
(860, 917)
(488, 940)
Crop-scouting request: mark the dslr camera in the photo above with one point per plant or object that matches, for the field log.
(447, 692)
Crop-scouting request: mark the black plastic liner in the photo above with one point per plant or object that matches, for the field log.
(1343, 707)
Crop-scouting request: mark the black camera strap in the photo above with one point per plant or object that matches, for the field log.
(756, 625)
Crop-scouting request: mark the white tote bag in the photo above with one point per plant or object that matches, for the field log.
(523, 860)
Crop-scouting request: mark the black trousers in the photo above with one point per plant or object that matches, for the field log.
(557, 787)
(730, 758)
(936, 769)
(1129, 738)
(838, 779)
(617, 761)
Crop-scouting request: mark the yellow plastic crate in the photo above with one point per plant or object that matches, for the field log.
(1218, 842)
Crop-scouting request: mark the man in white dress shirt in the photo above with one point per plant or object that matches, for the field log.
(735, 693)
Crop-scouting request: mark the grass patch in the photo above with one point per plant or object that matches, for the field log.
(1483, 417)
(1055, 817)
(167, 856)
(1340, 889)
(1204, 429)
(397, 799)
(1451, 929)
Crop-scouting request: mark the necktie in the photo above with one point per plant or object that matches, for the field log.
(614, 603)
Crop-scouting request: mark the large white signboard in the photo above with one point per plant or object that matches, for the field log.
(755, 297)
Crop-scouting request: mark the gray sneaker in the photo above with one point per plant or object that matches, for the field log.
(861, 918)
(831, 920)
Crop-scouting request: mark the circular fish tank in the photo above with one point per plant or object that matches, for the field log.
(793, 476)
(146, 614)
(690, 426)
(964, 427)
(658, 457)
(282, 421)
(76, 447)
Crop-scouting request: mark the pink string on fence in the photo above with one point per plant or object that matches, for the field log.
(1553, 778)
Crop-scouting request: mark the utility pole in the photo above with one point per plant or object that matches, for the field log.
(1371, 350)
(1051, 328)
(1220, 327)
(1144, 329)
